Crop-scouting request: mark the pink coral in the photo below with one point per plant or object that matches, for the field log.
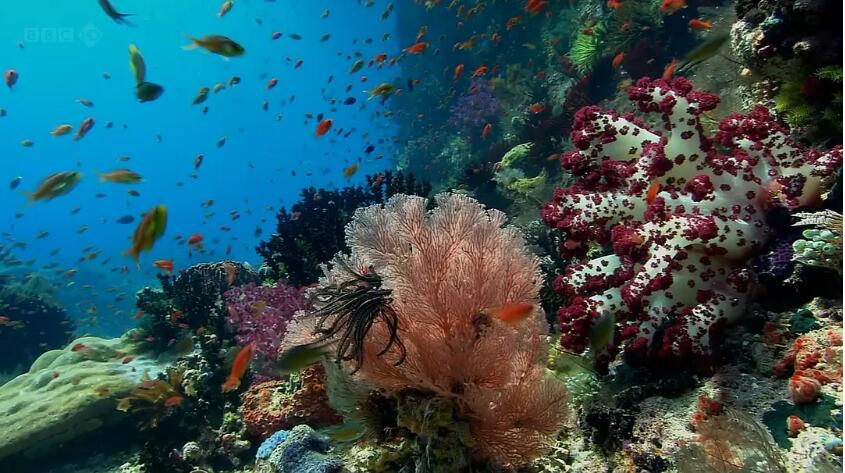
(446, 272)
(260, 314)
(682, 211)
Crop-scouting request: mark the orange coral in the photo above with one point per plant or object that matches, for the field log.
(446, 270)
(268, 408)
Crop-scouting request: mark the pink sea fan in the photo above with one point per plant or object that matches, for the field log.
(260, 314)
(447, 271)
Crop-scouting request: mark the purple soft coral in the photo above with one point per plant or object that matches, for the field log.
(475, 108)
(260, 314)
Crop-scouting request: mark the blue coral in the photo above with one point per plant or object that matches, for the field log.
(304, 451)
(270, 444)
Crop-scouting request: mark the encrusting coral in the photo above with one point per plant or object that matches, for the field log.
(427, 286)
(682, 213)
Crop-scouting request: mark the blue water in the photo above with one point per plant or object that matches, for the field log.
(62, 49)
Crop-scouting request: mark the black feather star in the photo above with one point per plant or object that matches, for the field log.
(347, 312)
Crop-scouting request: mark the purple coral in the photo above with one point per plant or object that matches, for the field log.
(260, 314)
(476, 107)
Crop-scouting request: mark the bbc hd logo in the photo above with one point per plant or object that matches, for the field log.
(89, 35)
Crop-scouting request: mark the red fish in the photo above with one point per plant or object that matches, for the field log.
(671, 6)
(10, 77)
(173, 401)
(417, 48)
(480, 71)
(513, 22)
(617, 60)
(670, 69)
(380, 58)
(195, 240)
(84, 128)
(239, 367)
(459, 69)
(323, 127)
(513, 312)
(164, 264)
(652, 192)
(696, 24)
(535, 6)
(486, 130)
(537, 108)
(272, 83)
(614, 4)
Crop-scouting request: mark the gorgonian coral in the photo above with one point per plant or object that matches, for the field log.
(438, 277)
(475, 108)
(260, 314)
(683, 212)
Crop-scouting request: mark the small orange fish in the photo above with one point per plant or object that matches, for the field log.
(614, 4)
(696, 24)
(588, 31)
(350, 171)
(164, 264)
(323, 127)
(480, 71)
(513, 312)
(272, 83)
(670, 69)
(84, 128)
(10, 77)
(459, 69)
(127, 359)
(671, 6)
(486, 130)
(239, 367)
(513, 22)
(380, 58)
(138, 315)
(61, 130)
(537, 108)
(195, 240)
(417, 48)
(535, 6)
(617, 60)
(653, 189)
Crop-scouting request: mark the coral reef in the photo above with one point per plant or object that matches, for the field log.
(682, 213)
(475, 108)
(270, 406)
(259, 314)
(312, 232)
(421, 319)
(301, 450)
(32, 325)
(822, 246)
(70, 393)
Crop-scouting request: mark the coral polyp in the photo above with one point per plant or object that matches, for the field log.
(682, 211)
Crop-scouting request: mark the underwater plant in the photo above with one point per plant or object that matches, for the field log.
(154, 398)
(587, 49)
(312, 231)
(682, 212)
(260, 314)
(821, 246)
(442, 306)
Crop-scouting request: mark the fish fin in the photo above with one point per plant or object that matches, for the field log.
(194, 43)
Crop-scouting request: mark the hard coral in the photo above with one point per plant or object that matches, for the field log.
(260, 314)
(269, 407)
(682, 211)
(429, 283)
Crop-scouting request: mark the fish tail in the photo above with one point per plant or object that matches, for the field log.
(194, 43)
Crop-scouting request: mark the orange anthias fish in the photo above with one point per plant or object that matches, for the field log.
(195, 240)
(513, 312)
(239, 367)
(350, 171)
(653, 189)
(10, 77)
(670, 69)
(614, 4)
(671, 6)
(86, 126)
(617, 60)
(696, 24)
(537, 108)
(459, 69)
(164, 264)
(323, 127)
(173, 401)
(513, 22)
(417, 48)
(480, 71)
(486, 130)
(535, 6)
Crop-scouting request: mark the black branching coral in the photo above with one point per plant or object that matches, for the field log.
(312, 231)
